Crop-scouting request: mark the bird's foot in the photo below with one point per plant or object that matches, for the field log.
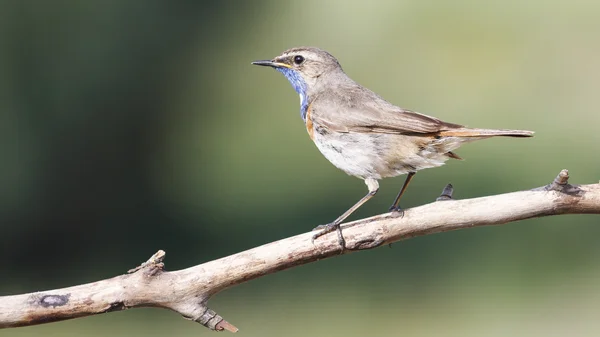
(397, 212)
(328, 228)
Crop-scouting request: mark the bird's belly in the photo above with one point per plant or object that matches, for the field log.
(373, 155)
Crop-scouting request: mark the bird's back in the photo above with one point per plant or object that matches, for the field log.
(349, 107)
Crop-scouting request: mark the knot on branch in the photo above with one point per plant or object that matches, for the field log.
(369, 243)
(561, 184)
(153, 266)
(446, 193)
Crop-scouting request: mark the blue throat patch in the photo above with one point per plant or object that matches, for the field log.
(299, 85)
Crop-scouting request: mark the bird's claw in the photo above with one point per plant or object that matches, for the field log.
(397, 212)
(328, 228)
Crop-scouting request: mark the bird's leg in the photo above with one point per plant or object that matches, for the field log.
(373, 186)
(396, 205)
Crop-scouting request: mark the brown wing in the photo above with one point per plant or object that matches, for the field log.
(361, 110)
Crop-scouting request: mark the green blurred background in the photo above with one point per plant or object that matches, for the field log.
(132, 126)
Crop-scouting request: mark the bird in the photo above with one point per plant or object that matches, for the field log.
(364, 135)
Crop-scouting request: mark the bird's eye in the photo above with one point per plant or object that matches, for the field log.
(298, 59)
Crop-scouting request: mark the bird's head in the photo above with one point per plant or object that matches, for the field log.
(305, 68)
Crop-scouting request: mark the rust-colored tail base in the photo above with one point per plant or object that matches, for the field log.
(466, 132)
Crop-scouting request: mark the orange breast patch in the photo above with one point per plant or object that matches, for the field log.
(309, 124)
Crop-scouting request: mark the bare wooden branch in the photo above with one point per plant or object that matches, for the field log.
(187, 291)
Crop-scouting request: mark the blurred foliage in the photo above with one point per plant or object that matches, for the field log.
(132, 126)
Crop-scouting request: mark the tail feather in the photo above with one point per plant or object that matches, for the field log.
(466, 132)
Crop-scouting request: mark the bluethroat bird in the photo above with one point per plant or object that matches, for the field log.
(361, 133)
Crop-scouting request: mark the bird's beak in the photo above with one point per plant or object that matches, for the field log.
(267, 63)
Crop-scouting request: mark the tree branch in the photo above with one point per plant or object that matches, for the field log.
(187, 291)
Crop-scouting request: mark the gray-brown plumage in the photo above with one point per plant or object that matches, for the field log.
(361, 133)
